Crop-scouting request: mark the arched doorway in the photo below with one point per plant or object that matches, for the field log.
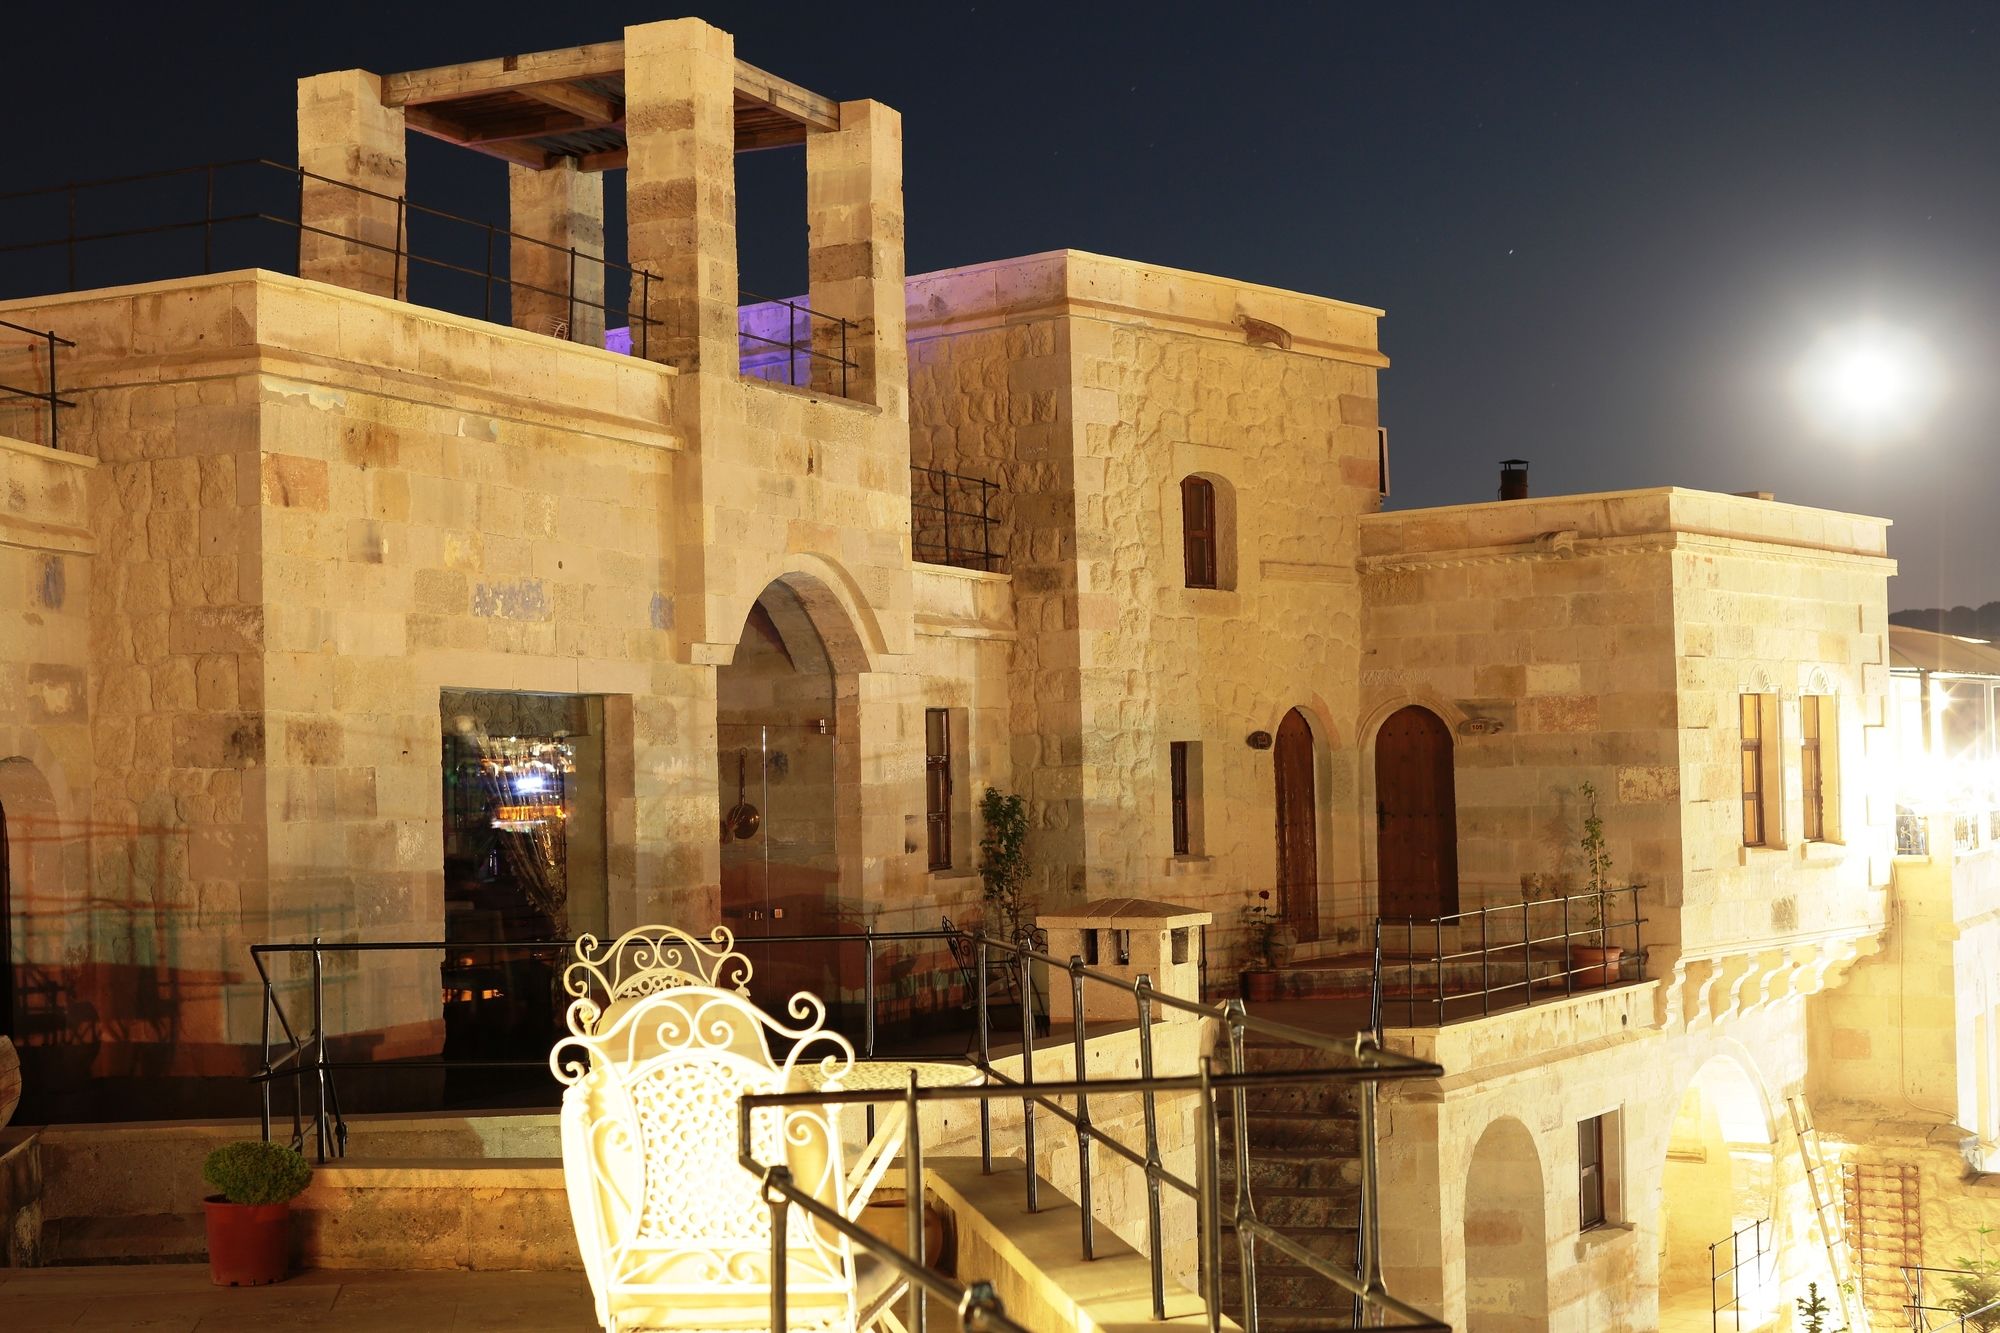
(1416, 816)
(1718, 1183)
(1298, 835)
(6, 931)
(1506, 1233)
(779, 769)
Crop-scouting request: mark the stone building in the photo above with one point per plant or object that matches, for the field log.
(339, 615)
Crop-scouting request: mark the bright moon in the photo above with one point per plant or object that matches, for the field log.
(1868, 381)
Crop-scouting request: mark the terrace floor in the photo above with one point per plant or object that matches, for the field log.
(180, 1297)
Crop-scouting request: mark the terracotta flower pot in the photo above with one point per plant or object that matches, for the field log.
(1260, 984)
(1595, 966)
(249, 1244)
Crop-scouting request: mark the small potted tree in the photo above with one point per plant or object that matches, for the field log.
(1263, 940)
(249, 1218)
(1004, 871)
(1594, 964)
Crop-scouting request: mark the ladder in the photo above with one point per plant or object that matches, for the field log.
(1825, 1213)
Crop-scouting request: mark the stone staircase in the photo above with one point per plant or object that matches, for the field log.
(1305, 1176)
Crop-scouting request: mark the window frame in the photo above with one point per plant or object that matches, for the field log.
(1201, 546)
(1593, 1201)
(1761, 771)
(938, 786)
(1177, 782)
(1813, 752)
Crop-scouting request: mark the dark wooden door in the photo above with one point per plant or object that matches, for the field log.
(1416, 816)
(1298, 840)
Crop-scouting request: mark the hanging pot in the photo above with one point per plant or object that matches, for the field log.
(742, 821)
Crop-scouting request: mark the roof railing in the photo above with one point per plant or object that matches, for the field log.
(50, 398)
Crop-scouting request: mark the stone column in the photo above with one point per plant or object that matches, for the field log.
(346, 134)
(680, 191)
(854, 213)
(562, 209)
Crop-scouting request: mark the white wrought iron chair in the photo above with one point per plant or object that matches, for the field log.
(674, 1232)
(644, 961)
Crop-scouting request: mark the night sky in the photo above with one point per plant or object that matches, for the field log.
(1604, 234)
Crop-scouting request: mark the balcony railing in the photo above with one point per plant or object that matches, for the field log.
(1913, 834)
(1741, 1269)
(788, 342)
(952, 520)
(1956, 1299)
(41, 349)
(1358, 1061)
(1429, 971)
(250, 214)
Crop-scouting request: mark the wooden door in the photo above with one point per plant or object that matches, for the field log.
(1298, 839)
(1416, 817)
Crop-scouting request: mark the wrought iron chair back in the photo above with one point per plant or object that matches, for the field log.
(674, 1233)
(644, 961)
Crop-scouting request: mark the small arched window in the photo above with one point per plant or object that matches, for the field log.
(1198, 531)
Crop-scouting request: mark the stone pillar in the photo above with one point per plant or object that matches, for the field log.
(854, 214)
(346, 134)
(563, 209)
(680, 191)
(1128, 938)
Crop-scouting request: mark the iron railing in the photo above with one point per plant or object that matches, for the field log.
(52, 398)
(1505, 957)
(1927, 1289)
(238, 195)
(952, 520)
(1748, 1250)
(815, 347)
(1965, 832)
(1355, 1060)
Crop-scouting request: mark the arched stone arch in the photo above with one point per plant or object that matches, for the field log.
(1506, 1232)
(1719, 1177)
(840, 611)
(34, 897)
(1758, 681)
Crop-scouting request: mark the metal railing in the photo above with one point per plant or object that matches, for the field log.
(52, 398)
(1576, 940)
(831, 330)
(951, 519)
(229, 238)
(1356, 1060)
(1965, 1313)
(1965, 832)
(1756, 1260)
(1913, 833)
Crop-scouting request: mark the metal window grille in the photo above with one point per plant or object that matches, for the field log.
(952, 520)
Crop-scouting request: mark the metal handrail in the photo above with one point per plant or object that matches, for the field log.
(792, 345)
(1570, 937)
(1760, 1252)
(1914, 1276)
(211, 219)
(1363, 1062)
(53, 399)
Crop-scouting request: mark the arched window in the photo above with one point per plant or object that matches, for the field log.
(1198, 532)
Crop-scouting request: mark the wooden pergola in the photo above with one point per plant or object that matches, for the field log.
(537, 110)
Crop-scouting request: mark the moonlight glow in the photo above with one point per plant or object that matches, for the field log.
(1868, 381)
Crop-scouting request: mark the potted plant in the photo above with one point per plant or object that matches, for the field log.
(1594, 964)
(249, 1218)
(1975, 1293)
(1263, 939)
(1003, 875)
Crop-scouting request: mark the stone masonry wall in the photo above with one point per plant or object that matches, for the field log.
(1089, 388)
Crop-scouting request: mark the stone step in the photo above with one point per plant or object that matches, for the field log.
(1286, 1169)
(1298, 1130)
(1339, 1099)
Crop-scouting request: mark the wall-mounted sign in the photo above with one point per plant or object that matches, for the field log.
(1479, 726)
(1260, 740)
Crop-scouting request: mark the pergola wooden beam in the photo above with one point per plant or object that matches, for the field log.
(507, 150)
(786, 98)
(589, 107)
(447, 83)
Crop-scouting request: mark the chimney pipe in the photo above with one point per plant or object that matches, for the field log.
(1513, 478)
